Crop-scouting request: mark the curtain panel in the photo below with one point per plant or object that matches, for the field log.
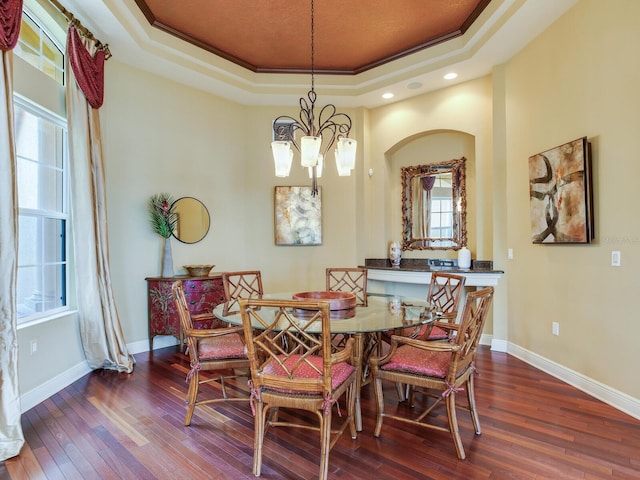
(11, 435)
(100, 329)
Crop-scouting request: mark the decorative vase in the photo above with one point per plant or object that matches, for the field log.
(167, 259)
(464, 258)
(395, 254)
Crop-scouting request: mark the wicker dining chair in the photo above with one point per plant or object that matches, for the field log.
(210, 350)
(240, 284)
(438, 370)
(307, 375)
(445, 292)
(352, 280)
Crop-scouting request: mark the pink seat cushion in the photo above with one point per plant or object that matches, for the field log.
(339, 371)
(421, 362)
(224, 346)
(437, 333)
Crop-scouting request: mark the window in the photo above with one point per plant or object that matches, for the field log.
(41, 151)
(441, 215)
(42, 227)
(39, 48)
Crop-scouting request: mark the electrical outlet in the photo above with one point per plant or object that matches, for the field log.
(34, 346)
(510, 253)
(615, 258)
(555, 328)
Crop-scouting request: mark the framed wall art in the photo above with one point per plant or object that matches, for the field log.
(560, 190)
(298, 216)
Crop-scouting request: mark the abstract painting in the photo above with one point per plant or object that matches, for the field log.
(298, 216)
(560, 193)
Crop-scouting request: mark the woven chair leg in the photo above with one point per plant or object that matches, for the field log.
(453, 425)
(400, 390)
(258, 438)
(472, 405)
(192, 395)
(325, 439)
(379, 406)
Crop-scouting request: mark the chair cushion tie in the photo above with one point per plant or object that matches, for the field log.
(451, 389)
(253, 397)
(194, 368)
(328, 401)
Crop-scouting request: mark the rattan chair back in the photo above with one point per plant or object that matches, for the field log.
(240, 284)
(352, 280)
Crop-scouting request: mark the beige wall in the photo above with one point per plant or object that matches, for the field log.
(437, 126)
(579, 78)
(189, 143)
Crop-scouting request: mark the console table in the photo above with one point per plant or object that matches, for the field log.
(202, 293)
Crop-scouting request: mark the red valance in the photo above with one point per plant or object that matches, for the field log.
(10, 18)
(428, 182)
(88, 70)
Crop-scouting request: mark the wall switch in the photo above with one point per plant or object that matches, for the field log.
(510, 254)
(555, 328)
(615, 258)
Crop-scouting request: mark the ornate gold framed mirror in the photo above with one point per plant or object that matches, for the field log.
(434, 206)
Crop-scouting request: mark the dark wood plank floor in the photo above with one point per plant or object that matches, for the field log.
(118, 426)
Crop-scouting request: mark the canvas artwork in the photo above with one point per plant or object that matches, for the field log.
(560, 193)
(298, 216)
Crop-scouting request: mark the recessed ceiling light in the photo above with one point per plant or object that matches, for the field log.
(450, 76)
(387, 95)
(413, 85)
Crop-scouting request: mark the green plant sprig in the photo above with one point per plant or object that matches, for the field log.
(162, 217)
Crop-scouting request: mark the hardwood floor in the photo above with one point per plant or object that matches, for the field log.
(118, 426)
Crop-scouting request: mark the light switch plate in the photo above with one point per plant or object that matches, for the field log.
(615, 258)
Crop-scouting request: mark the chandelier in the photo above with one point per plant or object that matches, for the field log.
(316, 134)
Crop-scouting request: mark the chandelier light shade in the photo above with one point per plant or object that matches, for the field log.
(316, 133)
(282, 157)
(342, 172)
(346, 150)
(309, 151)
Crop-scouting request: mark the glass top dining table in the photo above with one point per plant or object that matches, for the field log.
(382, 313)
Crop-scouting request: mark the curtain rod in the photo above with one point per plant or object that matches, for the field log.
(83, 30)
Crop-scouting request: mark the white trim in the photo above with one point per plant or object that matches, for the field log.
(498, 345)
(474, 279)
(608, 395)
(39, 394)
(159, 341)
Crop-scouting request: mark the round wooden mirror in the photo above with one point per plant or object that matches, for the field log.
(193, 220)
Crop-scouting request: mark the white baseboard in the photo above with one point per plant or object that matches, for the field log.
(608, 395)
(159, 341)
(498, 345)
(39, 394)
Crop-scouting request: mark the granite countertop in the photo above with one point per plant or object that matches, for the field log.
(430, 265)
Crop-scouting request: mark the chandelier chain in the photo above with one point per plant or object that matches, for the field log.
(312, 45)
(329, 128)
